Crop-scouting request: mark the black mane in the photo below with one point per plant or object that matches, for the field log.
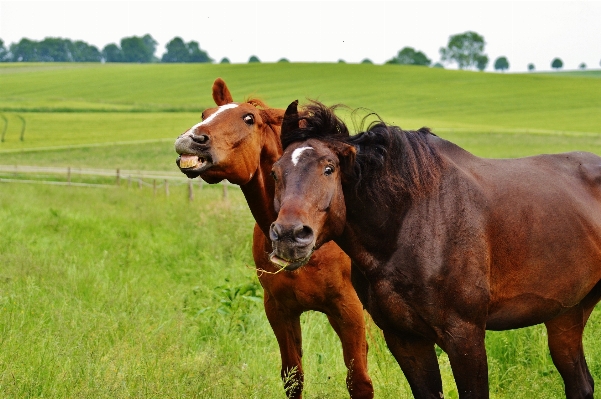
(389, 162)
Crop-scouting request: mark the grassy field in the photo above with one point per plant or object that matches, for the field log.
(107, 293)
(116, 293)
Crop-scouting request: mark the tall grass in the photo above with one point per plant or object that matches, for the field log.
(106, 293)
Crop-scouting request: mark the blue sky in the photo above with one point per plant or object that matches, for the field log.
(324, 31)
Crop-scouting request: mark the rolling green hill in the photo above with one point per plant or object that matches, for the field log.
(495, 115)
(415, 95)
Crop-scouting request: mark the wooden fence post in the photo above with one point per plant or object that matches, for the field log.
(154, 187)
(118, 177)
(166, 188)
(190, 191)
(5, 127)
(22, 138)
(224, 190)
(69, 175)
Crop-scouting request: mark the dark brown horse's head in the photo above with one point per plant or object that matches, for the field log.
(227, 143)
(309, 198)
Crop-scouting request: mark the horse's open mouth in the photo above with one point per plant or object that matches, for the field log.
(193, 165)
(189, 161)
(289, 265)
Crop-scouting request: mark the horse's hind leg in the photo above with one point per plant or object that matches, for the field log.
(565, 343)
(349, 324)
(286, 327)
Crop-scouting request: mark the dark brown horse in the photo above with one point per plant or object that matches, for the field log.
(240, 142)
(450, 244)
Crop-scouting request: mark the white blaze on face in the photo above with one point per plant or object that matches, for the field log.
(297, 153)
(212, 116)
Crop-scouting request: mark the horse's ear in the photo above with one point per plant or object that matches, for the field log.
(346, 158)
(290, 121)
(271, 116)
(221, 94)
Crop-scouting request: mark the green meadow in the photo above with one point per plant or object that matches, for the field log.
(121, 293)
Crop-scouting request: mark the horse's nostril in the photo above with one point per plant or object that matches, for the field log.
(201, 139)
(303, 233)
(274, 232)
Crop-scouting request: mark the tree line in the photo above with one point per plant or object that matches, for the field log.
(465, 49)
(131, 49)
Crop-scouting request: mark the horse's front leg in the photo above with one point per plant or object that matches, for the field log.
(419, 363)
(464, 344)
(287, 330)
(346, 317)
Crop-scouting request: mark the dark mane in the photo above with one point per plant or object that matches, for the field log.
(316, 121)
(389, 163)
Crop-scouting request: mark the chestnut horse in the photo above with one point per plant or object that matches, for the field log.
(240, 142)
(450, 244)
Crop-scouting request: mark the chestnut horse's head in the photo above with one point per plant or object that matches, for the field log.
(309, 198)
(227, 143)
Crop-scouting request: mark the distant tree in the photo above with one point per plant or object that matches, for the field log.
(253, 58)
(112, 53)
(3, 52)
(24, 51)
(582, 66)
(176, 51)
(83, 52)
(531, 67)
(501, 64)
(464, 49)
(557, 64)
(481, 62)
(408, 56)
(151, 46)
(438, 65)
(341, 61)
(54, 49)
(224, 60)
(284, 60)
(196, 54)
(138, 49)
(366, 61)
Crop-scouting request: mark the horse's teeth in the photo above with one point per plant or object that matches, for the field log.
(188, 161)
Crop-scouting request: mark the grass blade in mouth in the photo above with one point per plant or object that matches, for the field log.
(278, 261)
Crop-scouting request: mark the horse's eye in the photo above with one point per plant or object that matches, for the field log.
(249, 119)
(275, 177)
(328, 170)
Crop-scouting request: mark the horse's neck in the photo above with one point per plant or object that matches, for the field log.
(371, 230)
(260, 190)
